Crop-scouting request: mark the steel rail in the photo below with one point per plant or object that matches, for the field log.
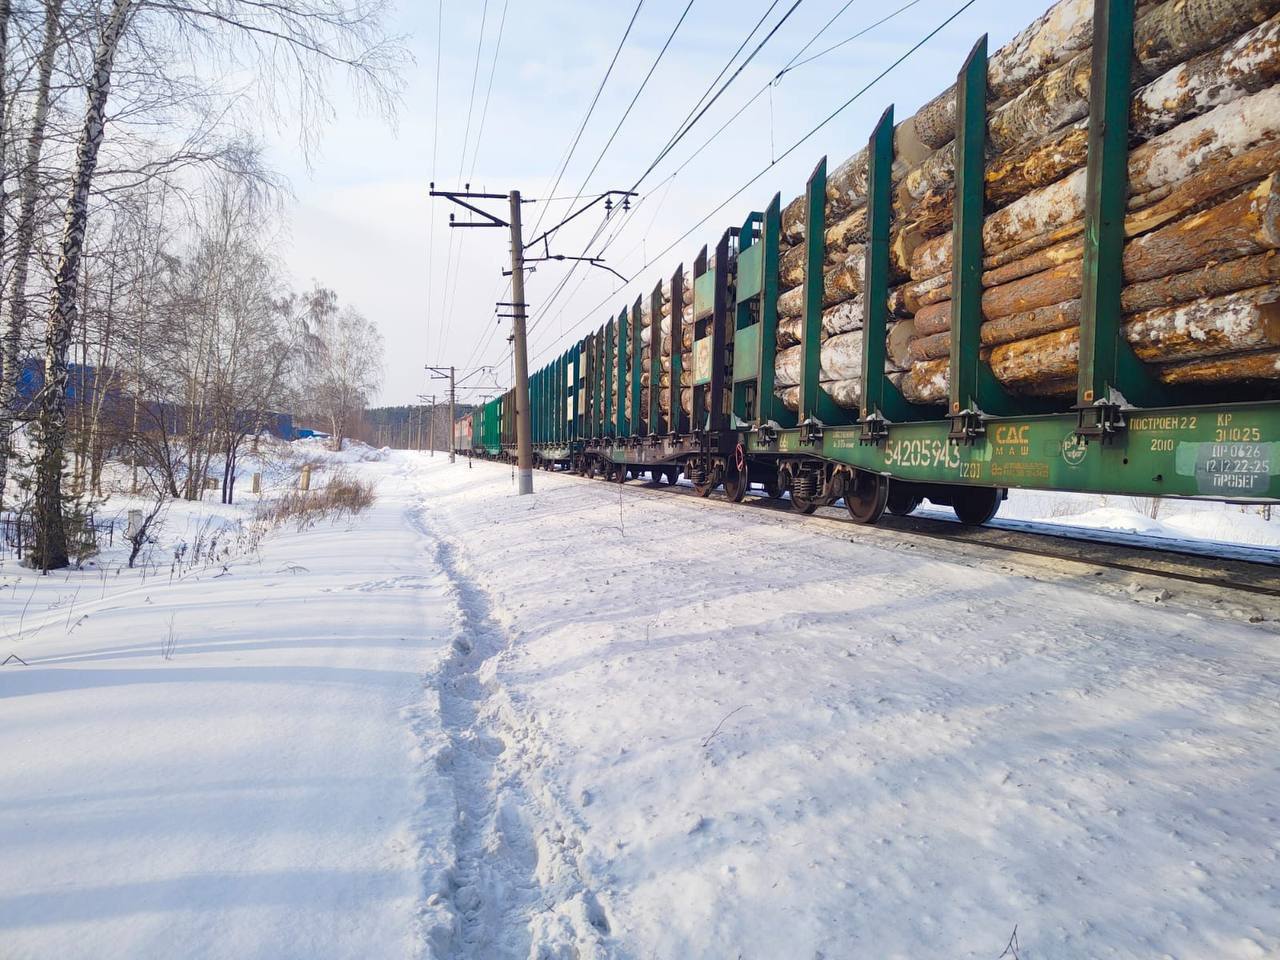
(1260, 577)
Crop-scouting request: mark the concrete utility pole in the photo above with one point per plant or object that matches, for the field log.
(431, 423)
(524, 432)
(520, 351)
(437, 373)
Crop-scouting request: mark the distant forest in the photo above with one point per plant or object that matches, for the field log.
(408, 427)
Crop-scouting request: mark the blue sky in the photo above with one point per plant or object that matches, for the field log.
(362, 221)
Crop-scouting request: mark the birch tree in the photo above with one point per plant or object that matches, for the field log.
(7, 364)
(50, 550)
(293, 44)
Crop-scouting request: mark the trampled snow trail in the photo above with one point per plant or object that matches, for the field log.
(735, 736)
(263, 790)
(595, 723)
(515, 889)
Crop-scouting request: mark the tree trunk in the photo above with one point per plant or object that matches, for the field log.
(1238, 323)
(1242, 67)
(9, 371)
(1246, 226)
(841, 359)
(844, 393)
(1047, 93)
(926, 382)
(24, 234)
(898, 344)
(1251, 366)
(933, 318)
(1055, 213)
(839, 283)
(931, 347)
(1019, 326)
(50, 549)
(1169, 35)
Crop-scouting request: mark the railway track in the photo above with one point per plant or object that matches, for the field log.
(1249, 572)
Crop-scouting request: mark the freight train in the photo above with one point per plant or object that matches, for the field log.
(1061, 274)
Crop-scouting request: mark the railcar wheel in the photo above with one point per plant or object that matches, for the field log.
(974, 506)
(803, 505)
(866, 497)
(703, 489)
(773, 490)
(672, 476)
(902, 503)
(735, 487)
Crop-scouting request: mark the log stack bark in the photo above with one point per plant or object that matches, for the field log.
(1201, 226)
(1202, 218)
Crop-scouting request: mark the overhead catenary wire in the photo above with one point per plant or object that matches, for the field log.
(613, 135)
(577, 137)
(794, 146)
(669, 179)
(630, 106)
(723, 87)
(558, 289)
(695, 114)
(573, 145)
(493, 69)
(435, 145)
(462, 162)
(836, 46)
(814, 39)
(768, 86)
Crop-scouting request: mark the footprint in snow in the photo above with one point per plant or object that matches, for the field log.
(392, 583)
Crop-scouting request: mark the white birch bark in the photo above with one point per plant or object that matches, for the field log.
(50, 549)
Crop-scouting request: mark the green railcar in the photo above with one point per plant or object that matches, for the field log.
(721, 424)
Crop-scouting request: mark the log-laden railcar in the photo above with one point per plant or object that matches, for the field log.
(1061, 274)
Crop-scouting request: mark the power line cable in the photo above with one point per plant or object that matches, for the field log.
(695, 114)
(590, 110)
(814, 39)
(836, 46)
(791, 66)
(493, 68)
(626, 113)
(435, 145)
(462, 162)
(804, 139)
(723, 87)
(600, 157)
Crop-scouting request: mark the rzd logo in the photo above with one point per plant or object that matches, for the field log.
(1074, 449)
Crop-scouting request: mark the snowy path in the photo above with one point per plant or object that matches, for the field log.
(595, 723)
(267, 792)
(730, 737)
(516, 888)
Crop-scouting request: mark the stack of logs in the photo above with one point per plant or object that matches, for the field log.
(1201, 272)
(686, 359)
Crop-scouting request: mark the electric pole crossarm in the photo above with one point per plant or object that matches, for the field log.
(540, 238)
(460, 197)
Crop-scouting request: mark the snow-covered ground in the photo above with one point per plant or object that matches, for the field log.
(262, 788)
(1174, 519)
(600, 722)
